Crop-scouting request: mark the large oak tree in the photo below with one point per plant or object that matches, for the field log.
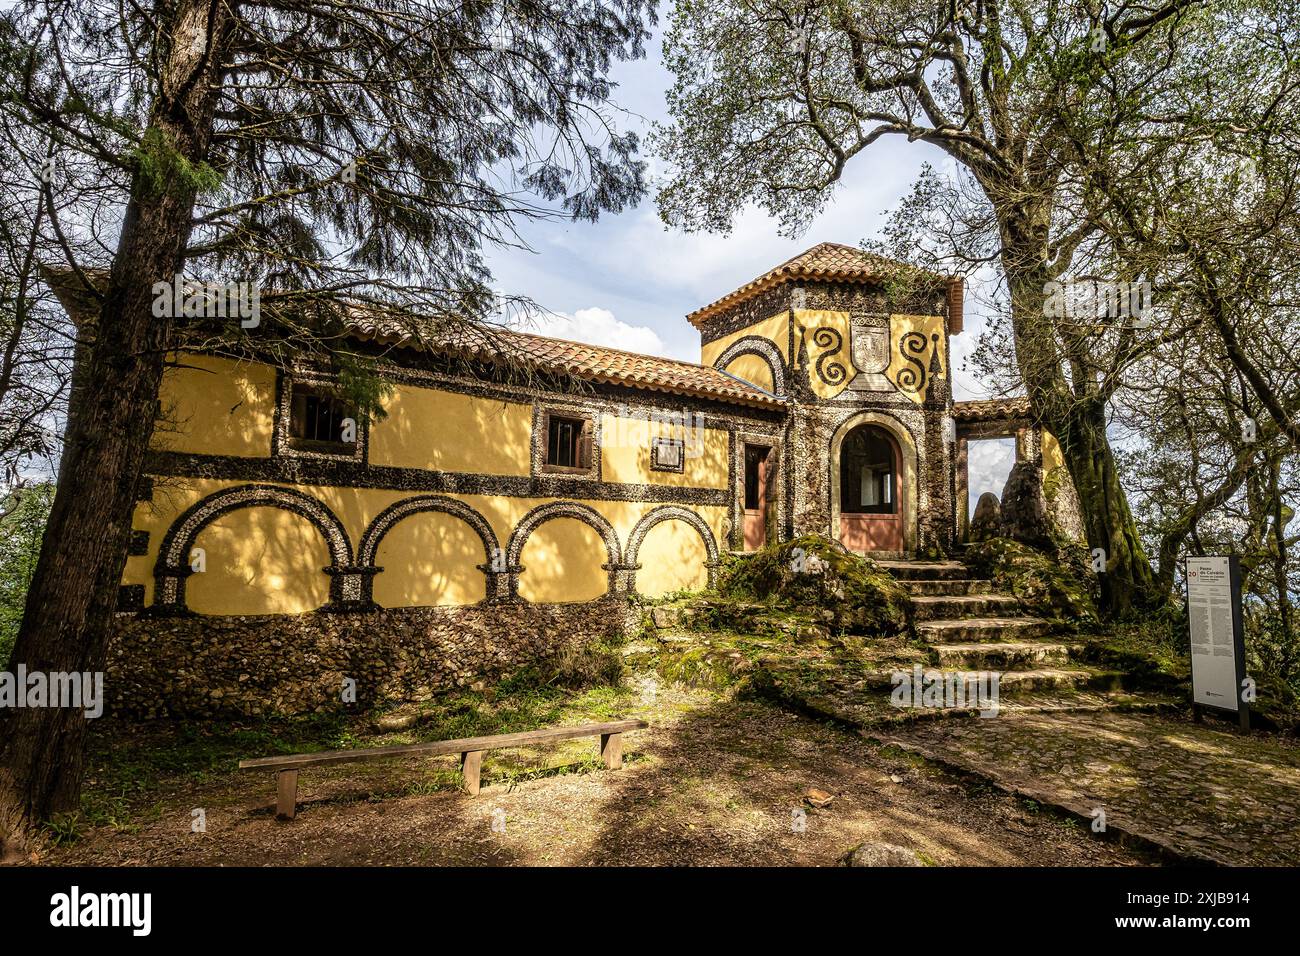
(340, 154)
(1033, 101)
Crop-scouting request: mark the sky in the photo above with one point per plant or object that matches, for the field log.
(628, 281)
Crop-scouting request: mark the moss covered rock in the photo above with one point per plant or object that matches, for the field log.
(1057, 586)
(849, 592)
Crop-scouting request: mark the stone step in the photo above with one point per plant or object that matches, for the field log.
(945, 606)
(1053, 678)
(1018, 683)
(948, 586)
(1002, 655)
(978, 630)
(925, 570)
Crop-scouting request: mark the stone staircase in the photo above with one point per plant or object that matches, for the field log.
(970, 627)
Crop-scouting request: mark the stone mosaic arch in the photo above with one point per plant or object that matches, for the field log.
(672, 513)
(765, 349)
(909, 469)
(387, 519)
(565, 509)
(494, 567)
(173, 565)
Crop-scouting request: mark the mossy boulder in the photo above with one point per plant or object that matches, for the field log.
(1057, 586)
(852, 594)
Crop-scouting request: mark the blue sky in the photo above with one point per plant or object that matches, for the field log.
(628, 281)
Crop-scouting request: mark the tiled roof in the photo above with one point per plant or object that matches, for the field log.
(591, 363)
(990, 409)
(498, 345)
(826, 261)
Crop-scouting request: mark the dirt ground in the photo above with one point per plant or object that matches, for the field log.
(713, 782)
(1200, 790)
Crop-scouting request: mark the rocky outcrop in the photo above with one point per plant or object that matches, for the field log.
(880, 854)
(1024, 508)
(1055, 584)
(853, 594)
(987, 521)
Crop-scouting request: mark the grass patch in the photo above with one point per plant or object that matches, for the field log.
(130, 764)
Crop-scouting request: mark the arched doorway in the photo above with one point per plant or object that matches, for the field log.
(870, 491)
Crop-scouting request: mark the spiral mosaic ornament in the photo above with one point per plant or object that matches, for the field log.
(911, 346)
(830, 342)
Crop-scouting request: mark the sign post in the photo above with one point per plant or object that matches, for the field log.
(1218, 636)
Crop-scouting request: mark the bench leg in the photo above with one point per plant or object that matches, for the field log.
(286, 799)
(611, 750)
(470, 765)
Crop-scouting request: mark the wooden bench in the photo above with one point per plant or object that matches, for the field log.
(470, 749)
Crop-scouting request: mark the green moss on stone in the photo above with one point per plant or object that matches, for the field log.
(849, 592)
(1057, 586)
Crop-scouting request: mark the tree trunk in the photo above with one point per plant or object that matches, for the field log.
(111, 410)
(1075, 413)
(1128, 582)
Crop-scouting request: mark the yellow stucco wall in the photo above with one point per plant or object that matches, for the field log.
(260, 560)
(626, 445)
(434, 559)
(776, 328)
(672, 558)
(445, 431)
(562, 563)
(833, 350)
(901, 372)
(265, 560)
(216, 406)
(752, 368)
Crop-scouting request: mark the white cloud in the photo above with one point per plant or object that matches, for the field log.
(595, 326)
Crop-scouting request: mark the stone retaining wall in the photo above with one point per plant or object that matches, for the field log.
(197, 666)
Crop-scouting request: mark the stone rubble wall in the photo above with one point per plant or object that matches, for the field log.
(197, 666)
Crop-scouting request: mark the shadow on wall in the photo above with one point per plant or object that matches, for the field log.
(444, 431)
(430, 559)
(672, 558)
(254, 561)
(562, 561)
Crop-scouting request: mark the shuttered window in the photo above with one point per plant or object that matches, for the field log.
(568, 443)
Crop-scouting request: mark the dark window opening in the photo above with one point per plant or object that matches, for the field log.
(867, 473)
(755, 474)
(568, 443)
(320, 421)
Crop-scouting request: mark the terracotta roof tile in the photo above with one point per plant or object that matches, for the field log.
(592, 363)
(830, 261)
(498, 345)
(990, 409)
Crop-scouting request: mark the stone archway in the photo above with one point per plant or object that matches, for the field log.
(173, 568)
(672, 513)
(908, 496)
(494, 567)
(579, 512)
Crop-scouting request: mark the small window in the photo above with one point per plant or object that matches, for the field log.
(668, 454)
(568, 444)
(320, 421)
